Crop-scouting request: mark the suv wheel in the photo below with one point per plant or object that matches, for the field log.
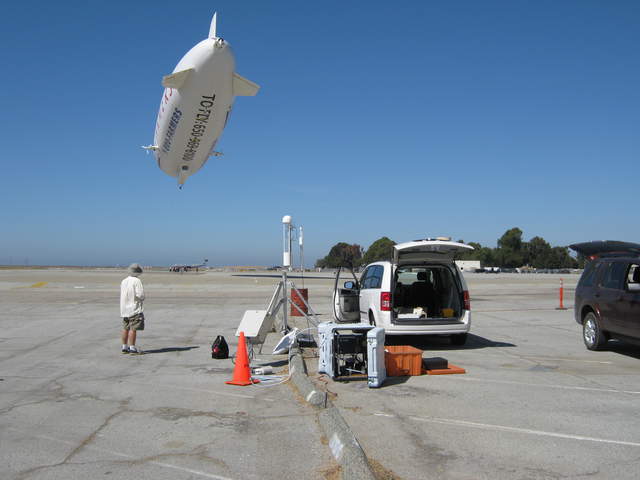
(592, 335)
(458, 339)
(372, 320)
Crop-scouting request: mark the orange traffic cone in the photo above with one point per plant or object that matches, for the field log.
(242, 372)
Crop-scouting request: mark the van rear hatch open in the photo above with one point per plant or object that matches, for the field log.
(427, 251)
(426, 288)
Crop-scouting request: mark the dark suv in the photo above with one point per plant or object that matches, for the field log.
(607, 302)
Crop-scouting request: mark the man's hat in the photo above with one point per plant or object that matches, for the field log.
(135, 270)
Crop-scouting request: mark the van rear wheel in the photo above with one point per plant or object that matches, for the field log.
(372, 320)
(459, 339)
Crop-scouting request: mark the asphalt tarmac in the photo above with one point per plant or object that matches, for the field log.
(73, 407)
(533, 404)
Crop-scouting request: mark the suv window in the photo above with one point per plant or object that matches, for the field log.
(373, 277)
(633, 275)
(589, 275)
(613, 275)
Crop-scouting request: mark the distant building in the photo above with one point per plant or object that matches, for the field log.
(468, 265)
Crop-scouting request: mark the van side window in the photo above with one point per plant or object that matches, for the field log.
(613, 275)
(373, 277)
(376, 276)
(365, 278)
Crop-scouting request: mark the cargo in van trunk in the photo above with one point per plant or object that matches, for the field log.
(426, 294)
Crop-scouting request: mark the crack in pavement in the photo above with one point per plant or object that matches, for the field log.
(79, 447)
(131, 460)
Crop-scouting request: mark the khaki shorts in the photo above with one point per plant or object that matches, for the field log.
(133, 323)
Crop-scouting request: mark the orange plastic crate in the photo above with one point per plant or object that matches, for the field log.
(402, 360)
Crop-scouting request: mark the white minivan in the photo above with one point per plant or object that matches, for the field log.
(420, 292)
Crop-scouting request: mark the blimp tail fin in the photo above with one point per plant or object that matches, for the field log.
(176, 79)
(243, 87)
(212, 28)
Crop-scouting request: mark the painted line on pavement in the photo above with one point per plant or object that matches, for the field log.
(503, 428)
(542, 385)
(566, 359)
(538, 358)
(535, 309)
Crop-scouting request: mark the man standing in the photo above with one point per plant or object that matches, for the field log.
(131, 298)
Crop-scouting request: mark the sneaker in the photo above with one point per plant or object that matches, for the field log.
(125, 350)
(135, 351)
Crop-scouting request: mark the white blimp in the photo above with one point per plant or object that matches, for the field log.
(195, 106)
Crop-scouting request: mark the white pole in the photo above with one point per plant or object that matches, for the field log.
(286, 240)
(286, 264)
(301, 243)
(290, 252)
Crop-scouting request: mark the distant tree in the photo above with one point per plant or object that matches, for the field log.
(487, 256)
(511, 239)
(559, 258)
(538, 252)
(342, 255)
(509, 252)
(381, 249)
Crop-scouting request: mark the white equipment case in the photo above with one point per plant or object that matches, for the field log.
(342, 351)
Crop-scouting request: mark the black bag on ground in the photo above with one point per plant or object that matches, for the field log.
(219, 348)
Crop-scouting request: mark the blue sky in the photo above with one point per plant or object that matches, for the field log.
(405, 119)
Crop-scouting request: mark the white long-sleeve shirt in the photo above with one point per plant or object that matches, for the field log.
(131, 297)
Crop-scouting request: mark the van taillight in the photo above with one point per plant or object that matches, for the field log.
(385, 301)
(467, 300)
